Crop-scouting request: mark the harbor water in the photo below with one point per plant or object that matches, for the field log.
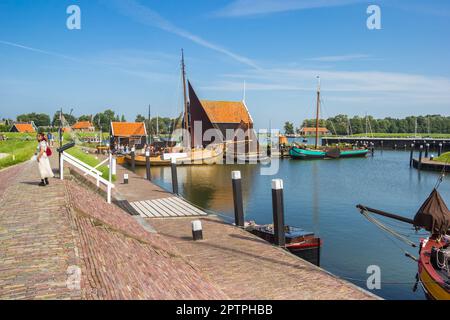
(321, 196)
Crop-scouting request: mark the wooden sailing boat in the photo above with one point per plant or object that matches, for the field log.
(184, 154)
(434, 252)
(303, 152)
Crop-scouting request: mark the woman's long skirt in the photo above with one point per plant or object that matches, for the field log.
(45, 170)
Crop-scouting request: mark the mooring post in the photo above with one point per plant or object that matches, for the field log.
(278, 212)
(427, 150)
(147, 163)
(440, 150)
(173, 164)
(197, 230)
(372, 148)
(411, 155)
(125, 178)
(420, 157)
(319, 242)
(237, 198)
(133, 159)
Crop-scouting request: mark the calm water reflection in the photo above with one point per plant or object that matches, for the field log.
(321, 196)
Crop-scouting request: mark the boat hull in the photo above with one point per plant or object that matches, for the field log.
(301, 243)
(433, 283)
(305, 154)
(195, 158)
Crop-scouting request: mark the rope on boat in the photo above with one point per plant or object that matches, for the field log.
(442, 176)
(387, 229)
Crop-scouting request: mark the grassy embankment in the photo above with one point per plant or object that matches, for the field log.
(445, 157)
(404, 135)
(19, 148)
(87, 158)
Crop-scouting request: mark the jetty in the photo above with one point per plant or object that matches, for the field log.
(69, 243)
(390, 143)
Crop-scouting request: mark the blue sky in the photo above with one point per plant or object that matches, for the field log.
(127, 54)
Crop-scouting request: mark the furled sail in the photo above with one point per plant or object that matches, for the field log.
(433, 215)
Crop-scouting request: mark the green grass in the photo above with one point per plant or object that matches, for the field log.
(404, 135)
(18, 150)
(90, 160)
(445, 157)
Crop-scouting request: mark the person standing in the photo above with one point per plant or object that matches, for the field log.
(45, 170)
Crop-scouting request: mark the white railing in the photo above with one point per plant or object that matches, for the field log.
(88, 170)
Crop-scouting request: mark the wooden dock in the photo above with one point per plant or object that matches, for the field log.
(430, 165)
(143, 198)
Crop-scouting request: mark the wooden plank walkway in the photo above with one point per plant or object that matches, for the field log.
(144, 198)
(166, 208)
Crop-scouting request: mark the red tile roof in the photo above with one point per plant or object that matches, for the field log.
(128, 129)
(25, 127)
(226, 111)
(82, 125)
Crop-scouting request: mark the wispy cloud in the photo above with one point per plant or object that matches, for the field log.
(377, 86)
(348, 57)
(147, 16)
(240, 8)
(49, 53)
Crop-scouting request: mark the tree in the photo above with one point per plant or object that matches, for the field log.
(288, 128)
(122, 119)
(103, 119)
(85, 118)
(39, 119)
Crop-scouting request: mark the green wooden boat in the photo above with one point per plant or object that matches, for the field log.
(298, 152)
(334, 153)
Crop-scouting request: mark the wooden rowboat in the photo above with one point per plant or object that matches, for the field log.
(303, 244)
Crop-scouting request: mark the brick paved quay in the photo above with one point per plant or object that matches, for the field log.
(246, 267)
(44, 231)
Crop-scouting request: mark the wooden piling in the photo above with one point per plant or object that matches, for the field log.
(427, 150)
(420, 157)
(278, 212)
(411, 155)
(440, 150)
(147, 164)
(174, 176)
(237, 198)
(133, 160)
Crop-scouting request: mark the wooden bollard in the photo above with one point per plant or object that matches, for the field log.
(278, 212)
(420, 157)
(125, 178)
(440, 150)
(411, 155)
(197, 230)
(382, 144)
(237, 198)
(427, 150)
(133, 160)
(173, 164)
(147, 164)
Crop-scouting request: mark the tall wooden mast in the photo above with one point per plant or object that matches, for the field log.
(317, 113)
(186, 118)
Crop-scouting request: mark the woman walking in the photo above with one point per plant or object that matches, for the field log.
(45, 170)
